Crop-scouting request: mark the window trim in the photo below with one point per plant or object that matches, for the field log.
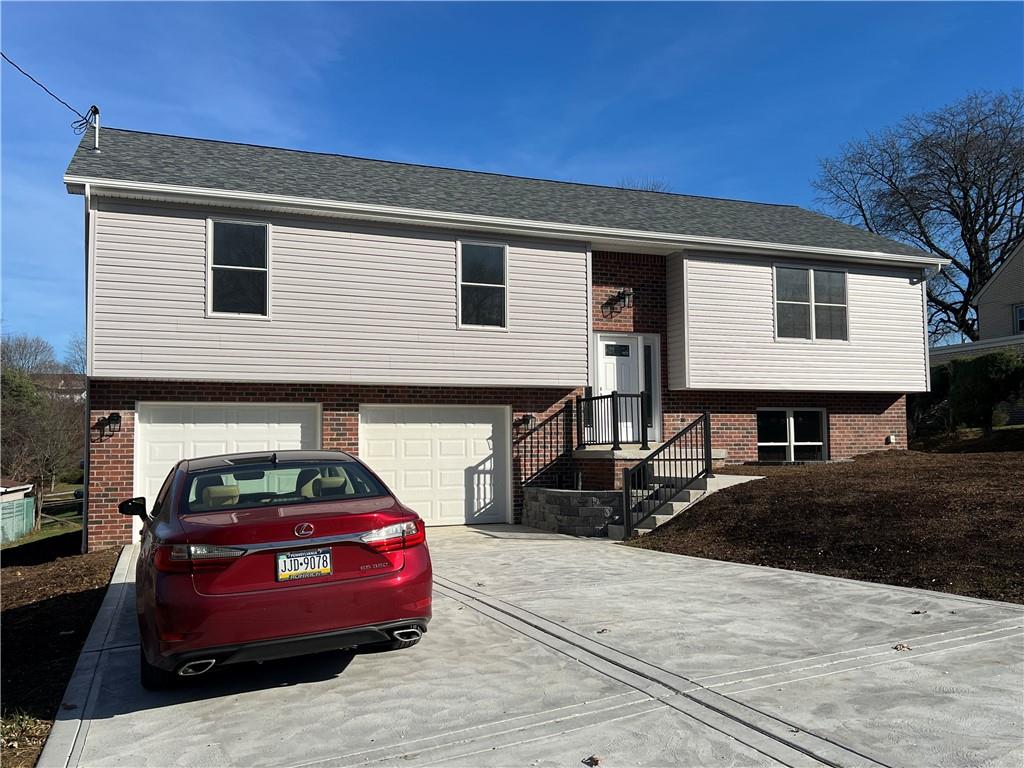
(458, 285)
(791, 442)
(811, 303)
(210, 313)
(1018, 319)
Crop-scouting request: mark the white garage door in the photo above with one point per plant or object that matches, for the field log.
(450, 464)
(168, 432)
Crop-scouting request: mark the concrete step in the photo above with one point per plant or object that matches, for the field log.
(680, 502)
(652, 522)
(618, 533)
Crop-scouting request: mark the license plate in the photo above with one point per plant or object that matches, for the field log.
(303, 565)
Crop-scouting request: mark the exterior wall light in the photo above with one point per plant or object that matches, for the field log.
(106, 426)
(615, 304)
(526, 421)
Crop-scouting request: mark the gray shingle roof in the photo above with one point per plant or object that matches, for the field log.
(160, 159)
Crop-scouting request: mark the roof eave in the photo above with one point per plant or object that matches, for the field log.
(599, 237)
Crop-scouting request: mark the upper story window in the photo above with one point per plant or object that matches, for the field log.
(810, 304)
(482, 289)
(239, 269)
(1018, 318)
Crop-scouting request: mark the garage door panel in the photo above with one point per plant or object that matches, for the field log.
(416, 449)
(454, 453)
(452, 448)
(380, 449)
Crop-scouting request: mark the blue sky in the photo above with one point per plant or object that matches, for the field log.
(732, 99)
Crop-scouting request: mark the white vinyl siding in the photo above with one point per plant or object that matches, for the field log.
(730, 329)
(352, 302)
(675, 272)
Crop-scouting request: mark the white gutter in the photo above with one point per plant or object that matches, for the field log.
(606, 235)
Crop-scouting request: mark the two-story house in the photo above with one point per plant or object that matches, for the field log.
(250, 298)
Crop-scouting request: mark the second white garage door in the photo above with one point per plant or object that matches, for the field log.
(450, 464)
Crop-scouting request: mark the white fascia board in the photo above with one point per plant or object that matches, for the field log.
(607, 237)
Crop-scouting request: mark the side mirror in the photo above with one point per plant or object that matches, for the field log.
(136, 506)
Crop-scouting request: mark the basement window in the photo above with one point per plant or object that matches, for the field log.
(483, 297)
(239, 271)
(791, 435)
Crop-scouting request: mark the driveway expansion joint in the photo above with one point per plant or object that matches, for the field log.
(773, 737)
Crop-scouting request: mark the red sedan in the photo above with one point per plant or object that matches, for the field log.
(256, 556)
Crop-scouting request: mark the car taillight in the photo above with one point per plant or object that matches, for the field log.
(397, 536)
(182, 558)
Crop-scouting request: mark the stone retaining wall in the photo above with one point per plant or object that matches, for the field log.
(577, 513)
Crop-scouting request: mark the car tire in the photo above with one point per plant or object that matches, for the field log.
(154, 678)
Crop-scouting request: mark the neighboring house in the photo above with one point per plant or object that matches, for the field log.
(248, 298)
(1000, 308)
(68, 386)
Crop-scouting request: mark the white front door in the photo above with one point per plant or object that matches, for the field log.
(448, 463)
(166, 433)
(629, 364)
(620, 372)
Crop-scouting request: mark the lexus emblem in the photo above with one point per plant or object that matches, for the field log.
(304, 529)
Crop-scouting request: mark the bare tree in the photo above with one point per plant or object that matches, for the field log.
(75, 355)
(950, 182)
(644, 184)
(30, 354)
(41, 436)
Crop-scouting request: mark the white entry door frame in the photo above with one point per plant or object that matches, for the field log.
(629, 363)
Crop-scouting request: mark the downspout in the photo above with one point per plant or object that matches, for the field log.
(86, 411)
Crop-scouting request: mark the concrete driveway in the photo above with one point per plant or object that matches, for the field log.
(546, 650)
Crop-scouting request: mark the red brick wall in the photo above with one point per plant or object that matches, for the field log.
(613, 272)
(857, 422)
(111, 462)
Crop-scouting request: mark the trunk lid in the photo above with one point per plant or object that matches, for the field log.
(329, 528)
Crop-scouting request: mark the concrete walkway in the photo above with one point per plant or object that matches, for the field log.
(545, 650)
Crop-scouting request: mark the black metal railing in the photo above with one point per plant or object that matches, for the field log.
(613, 419)
(542, 455)
(676, 465)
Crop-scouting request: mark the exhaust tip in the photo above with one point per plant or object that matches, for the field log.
(410, 633)
(197, 667)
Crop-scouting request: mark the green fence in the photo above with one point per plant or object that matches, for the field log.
(16, 518)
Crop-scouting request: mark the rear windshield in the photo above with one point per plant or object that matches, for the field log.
(274, 485)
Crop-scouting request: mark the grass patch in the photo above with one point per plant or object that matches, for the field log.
(57, 523)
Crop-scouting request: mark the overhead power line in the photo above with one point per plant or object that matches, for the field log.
(82, 123)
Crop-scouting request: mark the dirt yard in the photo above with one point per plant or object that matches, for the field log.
(50, 597)
(952, 522)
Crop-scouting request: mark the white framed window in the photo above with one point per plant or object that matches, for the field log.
(1018, 318)
(238, 269)
(792, 434)
(483, 285)
(811, 304)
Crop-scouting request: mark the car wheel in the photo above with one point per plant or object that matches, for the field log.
(154, 678)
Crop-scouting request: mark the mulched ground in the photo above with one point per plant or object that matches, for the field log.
(952, 522)
(50, 596)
